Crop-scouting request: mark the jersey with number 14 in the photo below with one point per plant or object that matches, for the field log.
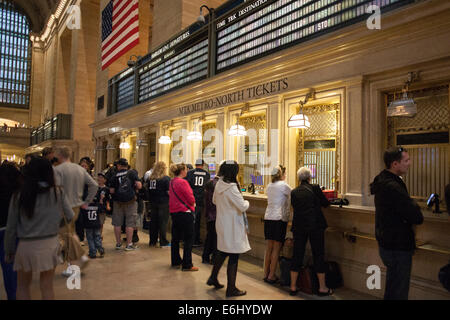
(197, 179)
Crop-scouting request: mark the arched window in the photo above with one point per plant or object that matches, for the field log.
(15, 56)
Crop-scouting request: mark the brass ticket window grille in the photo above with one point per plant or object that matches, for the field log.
(426, 137)
(318, 145)
(209, 145)
(252, 166)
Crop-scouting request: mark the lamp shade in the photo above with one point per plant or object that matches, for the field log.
(299, 121)
(194, 136)
(164, 140)
(237, 131)
(403, 107)
(124, 145)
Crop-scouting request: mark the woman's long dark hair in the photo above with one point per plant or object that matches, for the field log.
(38, 178)
(229, 171)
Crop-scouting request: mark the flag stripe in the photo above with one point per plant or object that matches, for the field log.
(124, 30)
(132, 29)
(118, 5)
(128, 47)
(120, 27)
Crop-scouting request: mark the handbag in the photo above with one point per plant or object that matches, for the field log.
(70, 246)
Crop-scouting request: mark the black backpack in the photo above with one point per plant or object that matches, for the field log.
(444, 276)
(125, 190)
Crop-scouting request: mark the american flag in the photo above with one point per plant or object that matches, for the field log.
(120, 29)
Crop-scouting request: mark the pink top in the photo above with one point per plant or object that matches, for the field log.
(184, 192)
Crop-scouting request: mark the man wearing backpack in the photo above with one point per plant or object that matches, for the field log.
(123, 189)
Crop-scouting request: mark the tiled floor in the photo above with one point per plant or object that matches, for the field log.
(146, 274)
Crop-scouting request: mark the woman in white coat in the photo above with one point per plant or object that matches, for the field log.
(231, 227)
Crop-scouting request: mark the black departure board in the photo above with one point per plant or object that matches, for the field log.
(125, 93)
(173, 69)
(263, 26)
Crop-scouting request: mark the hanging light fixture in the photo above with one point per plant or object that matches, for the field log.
(195, 135)
(404, 107)
(300, 120)
(124, 144)
(238, 130)
(164, 139)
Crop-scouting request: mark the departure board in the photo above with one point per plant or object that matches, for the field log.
(125, 93)
(264, 26)
(173, 69)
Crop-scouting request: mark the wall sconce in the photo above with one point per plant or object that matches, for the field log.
(201, 18)
(300, 120)
(164, 139)
(131, 63)
(404, 107)
(238, 130)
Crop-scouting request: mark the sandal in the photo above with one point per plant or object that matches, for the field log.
(272, 281)
(324, 294)
(293, 292)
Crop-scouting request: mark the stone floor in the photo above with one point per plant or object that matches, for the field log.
(146, 274)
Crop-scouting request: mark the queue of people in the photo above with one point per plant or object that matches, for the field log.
(33, 198)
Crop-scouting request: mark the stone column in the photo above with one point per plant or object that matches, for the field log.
(111, 149)
(142, 151)
(352, 132)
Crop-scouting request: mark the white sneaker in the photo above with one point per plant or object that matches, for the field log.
(84, 261)
(66, 273)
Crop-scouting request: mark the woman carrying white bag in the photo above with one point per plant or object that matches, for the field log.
(231, 227)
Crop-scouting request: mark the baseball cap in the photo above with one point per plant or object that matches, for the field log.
(199, 162)
(122, 162)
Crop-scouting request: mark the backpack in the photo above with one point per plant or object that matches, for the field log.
(444, 276)
(125, 190)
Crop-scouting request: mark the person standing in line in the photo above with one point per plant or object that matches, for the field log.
(158, 191)
(34, 218)
(447, 197)
(73, 178)
(275, 221)
(123, 189)
(231, 227)
(48, 153)
(90, 218)
(104, 199)
(309, 223)
(396, 213)
(87, 164)
(10, 182)
(210, 249)
(181, 207)
(197, 179)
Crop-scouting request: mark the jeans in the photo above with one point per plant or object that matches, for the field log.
(210, 242)
(9, 275)
(316, 239)
(198, 217)
(159, 216)
(94, 238)
(182, 230)
(398, 273)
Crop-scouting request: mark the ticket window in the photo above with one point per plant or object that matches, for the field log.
(318, 146)
(208, 148)
(426, 138)
(252, 153)
(177, 146)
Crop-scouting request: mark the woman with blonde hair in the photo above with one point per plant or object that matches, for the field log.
(275, 221)
(182, 208)
(158, 191)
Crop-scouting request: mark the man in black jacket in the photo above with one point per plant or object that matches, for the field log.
(395, 215)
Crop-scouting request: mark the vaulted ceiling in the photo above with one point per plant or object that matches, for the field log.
(38, 11)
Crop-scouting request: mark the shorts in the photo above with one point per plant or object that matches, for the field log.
(127, 211)
(275, 230)
(102, 217)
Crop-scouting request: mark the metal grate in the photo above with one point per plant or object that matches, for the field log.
(15, 56)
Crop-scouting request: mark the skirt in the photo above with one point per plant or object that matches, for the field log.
(275, 230)
(37, 255)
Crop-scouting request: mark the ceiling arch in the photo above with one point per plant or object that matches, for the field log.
(38, 11)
